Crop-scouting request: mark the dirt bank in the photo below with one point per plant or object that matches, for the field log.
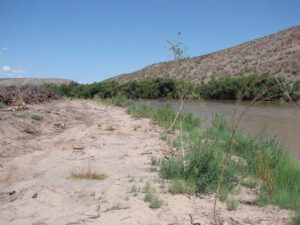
(39, 154)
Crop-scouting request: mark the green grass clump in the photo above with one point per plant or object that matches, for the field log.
(155, 161)
(231, 203)
(133, 189)
(165, 116)
(37, 117)
(224, 192)
(154, 201)
(180, 186)
(147, 188)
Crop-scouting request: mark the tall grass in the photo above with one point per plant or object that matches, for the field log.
(267, 161)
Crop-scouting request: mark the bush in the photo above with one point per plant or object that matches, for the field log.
(245, 88)
(226, 88)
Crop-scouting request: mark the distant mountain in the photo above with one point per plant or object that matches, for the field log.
(277, 54)
(4, 82)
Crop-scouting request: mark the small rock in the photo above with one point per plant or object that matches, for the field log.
(12, 193)
(60, 125)
(35, 195)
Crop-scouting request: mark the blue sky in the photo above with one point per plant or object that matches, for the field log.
(89, 40)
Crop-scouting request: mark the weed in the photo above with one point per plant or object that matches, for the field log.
(133, 189)
(154, 201)
(231, 203)
(224, 191)
(163, 137)
(180, 186)
(147, 188)
(148, 197)
(2, 105)
(155, 161)
(37, 117)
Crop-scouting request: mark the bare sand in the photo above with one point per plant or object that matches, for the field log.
(37, 159)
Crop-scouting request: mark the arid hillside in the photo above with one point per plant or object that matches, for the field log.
(278, 54)
(5, 82)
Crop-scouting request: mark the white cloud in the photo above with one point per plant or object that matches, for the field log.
(10, 70)
(18, 71)
(6, 68)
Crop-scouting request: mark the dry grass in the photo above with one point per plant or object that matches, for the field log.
(88, 174)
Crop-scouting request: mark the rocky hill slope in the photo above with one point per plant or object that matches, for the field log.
(278, 54)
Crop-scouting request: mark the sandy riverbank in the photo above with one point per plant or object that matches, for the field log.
(38, 157)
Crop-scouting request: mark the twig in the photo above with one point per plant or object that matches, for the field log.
(182, 148)
(178, 113)
(191, 218)
(125, 218)
(112, 209)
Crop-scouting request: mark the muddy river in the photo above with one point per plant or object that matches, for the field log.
(271, 119)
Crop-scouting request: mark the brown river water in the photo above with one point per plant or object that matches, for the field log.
(269, 119)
